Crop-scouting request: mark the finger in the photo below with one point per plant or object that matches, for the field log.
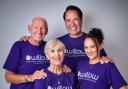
(107, 60)
(66, 69)
(69, 70)
(42, 73)
(43, 77)
(101, 61)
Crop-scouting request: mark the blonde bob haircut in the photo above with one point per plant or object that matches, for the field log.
(52, 43)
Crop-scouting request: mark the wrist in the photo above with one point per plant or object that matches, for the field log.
(27, 78)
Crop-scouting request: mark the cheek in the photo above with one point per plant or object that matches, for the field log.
(85, 50)
(33, 32)
(62, 55)
(67, 24)
(95, 52)
(43, 31)
(49, 55)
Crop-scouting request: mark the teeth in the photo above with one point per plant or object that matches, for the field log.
(38, 35)
(73, 28)
(89, 54)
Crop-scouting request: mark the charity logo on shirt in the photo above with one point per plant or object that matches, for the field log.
(36, 58)
(87, 76)
(74, 52)
(60, 87)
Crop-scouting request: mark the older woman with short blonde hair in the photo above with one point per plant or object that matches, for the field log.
(56, 78)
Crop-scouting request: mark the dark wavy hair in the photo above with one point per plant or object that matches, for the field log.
(72, 7)
(97, 35)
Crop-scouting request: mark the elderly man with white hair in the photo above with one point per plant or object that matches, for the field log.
(27, 58)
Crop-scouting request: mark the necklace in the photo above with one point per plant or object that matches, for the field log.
(59, 79)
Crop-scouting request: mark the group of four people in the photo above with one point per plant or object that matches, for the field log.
(79, 51)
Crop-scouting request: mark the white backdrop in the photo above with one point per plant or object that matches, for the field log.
(110, 15)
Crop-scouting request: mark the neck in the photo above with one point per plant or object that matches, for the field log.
(76, 36)
(94, 61)
(34, 42)
(55, 69)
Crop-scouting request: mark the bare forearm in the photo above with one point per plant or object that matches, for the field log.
(15, 78)
(11, 77)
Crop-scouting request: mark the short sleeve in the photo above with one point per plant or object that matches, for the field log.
(13, 58)
(116, 78)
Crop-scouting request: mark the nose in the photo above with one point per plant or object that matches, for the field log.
(57, 53)
(39, 30)
(89, 50)
(72, 23)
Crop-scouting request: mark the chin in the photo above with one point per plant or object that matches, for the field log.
(91, 57)
(39, 39)
(58, 64)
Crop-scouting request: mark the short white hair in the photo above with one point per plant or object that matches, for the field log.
(39, 18)
(52, 43)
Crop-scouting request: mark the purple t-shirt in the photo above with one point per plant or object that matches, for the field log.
(25, 58)
(54, 81)
(99, 76)
(74, 50)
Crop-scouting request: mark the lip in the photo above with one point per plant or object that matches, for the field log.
(90, 54)
(58, 59)
(73, 28)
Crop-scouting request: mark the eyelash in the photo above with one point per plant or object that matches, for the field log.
(89, 47)
(58, 50)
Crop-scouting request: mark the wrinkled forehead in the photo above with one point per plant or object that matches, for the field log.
(38, 20)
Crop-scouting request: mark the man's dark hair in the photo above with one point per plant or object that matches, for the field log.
(72, 7)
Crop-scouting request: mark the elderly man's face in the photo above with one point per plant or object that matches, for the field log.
(38, 29)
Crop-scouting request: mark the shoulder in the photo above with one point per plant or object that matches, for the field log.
(110, 64)
(18, 44)
(70, 75)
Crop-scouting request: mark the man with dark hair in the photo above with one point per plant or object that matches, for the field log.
(74, 40)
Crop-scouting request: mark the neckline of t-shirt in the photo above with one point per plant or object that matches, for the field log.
(32, 44)
(77, 37)
(93, 64)
(54, 73)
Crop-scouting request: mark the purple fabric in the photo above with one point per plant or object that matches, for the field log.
(74, 50)
(99, 76)
(54, 81)
(25, 58)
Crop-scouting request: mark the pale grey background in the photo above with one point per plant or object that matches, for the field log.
(110, 15)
